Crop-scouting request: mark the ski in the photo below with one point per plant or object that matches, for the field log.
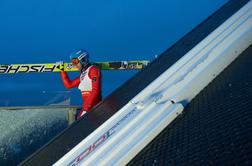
(54, 67)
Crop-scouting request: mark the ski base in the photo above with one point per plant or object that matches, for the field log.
(54, 67)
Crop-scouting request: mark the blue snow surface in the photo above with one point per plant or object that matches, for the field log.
(47, 31)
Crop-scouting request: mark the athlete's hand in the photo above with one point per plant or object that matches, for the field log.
(60, 65)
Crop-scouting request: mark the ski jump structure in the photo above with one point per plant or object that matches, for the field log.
(132, 116)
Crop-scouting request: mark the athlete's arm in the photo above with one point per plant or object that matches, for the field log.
(95, 75)
(67, 82)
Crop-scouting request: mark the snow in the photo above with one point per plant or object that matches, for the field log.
(24, 131)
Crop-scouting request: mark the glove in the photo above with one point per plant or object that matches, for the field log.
(60, 65)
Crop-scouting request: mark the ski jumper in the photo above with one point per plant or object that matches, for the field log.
(89, 83)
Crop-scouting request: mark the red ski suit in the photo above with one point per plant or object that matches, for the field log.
(89, 83)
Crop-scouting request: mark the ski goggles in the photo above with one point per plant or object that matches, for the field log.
(75, 61)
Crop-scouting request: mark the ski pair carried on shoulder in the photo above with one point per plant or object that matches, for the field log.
(55, 67)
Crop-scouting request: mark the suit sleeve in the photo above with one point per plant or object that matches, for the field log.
(95, 76)
(67, 82)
